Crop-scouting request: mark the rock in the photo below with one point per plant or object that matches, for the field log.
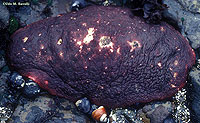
(195, 80)
(155, 112)
(16, 81)
(7, 99)
(5, 113)
(3, 84)
(191, 5)
(41, 10)
(158, 115)
(83, 105)
(31, 89)
(46, 109)
(78, 4)
(28, 15)
(147, 108)
(181, 112)
(60, 7)
(2, 61)
(169, 119)
(4, 16)
(4, 38)
(189, 22)
(2, 25)
(124, 116)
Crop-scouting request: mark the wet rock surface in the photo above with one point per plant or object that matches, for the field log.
(156, 112)
(47, 109)
(41, 10)
(158, 115)
(191, 5)
(5, 111)
(189, 22)
(124, 115)
(195, 79)
(4, 18)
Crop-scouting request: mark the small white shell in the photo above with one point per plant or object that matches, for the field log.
(78, 102)
(103, 118)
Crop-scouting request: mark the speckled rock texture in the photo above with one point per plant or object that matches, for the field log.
(188, 21)
(46, 109)
(156, 112)
(41, 10)
(4, 16)
(191, 5)
(195, 79)
(158, 115)
(105, 54)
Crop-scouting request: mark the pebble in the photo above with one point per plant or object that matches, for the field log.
(31, 89)
(16, 81)
(78, 4)
(83, 105)
(158, 115)
(156, 111)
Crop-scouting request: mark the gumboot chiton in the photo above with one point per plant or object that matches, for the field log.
(105, 54)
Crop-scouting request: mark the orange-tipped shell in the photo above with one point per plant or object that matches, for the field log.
(98, 113)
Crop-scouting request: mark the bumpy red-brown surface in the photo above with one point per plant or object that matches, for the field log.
(103, 53)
